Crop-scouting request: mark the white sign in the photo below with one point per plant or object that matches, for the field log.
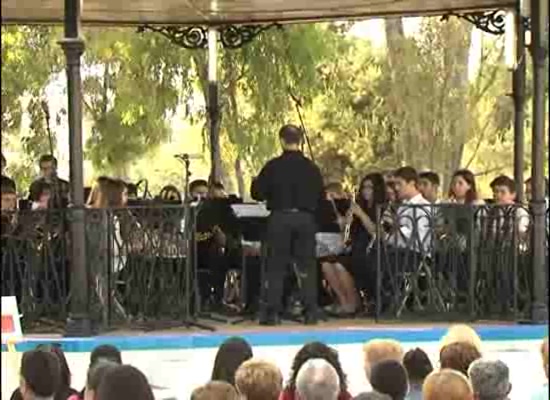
(11, 324)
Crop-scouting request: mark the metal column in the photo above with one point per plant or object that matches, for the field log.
(78, 323)
(539, 51)
(518, 85)
(213, 105)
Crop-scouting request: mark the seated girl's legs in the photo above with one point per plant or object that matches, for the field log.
(331, 275)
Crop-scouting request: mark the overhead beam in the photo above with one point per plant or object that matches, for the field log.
(178, 12)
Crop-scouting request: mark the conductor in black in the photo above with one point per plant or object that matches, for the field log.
(292, 187)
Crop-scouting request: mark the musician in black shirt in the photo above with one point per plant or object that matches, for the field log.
(292, 186)
(60, 188)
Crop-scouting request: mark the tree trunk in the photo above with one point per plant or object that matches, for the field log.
(394, 38)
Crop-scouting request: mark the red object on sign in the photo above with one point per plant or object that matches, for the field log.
(7, 324)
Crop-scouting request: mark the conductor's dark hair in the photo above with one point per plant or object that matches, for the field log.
(291, 134)
(197, 183)
(41, 372)
(124, 383)
(408, 174)
(431, 177)
(47, 158)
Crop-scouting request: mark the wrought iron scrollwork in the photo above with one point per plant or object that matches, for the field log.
(493, 22)
(196, 36)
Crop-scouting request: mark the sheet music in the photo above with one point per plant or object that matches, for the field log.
(250, 210)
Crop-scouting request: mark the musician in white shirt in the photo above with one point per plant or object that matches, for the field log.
(412, 224)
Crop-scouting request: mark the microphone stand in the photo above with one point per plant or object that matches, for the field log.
(191, 271)
(298, 106)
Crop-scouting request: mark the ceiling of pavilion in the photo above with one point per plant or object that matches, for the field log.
(135, 12)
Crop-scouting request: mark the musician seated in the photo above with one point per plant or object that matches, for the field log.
(41, 196)
(48, 174)
(8, 207)
(330, 248)
(198, 189)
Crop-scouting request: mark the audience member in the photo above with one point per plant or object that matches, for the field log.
(447, 384)
(461, 333)
(390, 377)
(374, 395)
(215, 390)
(542, 393)
(231, 354)
(317, 380)
(64, 389)
(428, 185)
(102, 353)
(259, 380)
(418, 366)
(310, 351)
(458, 356)
(378, 350)
(95, 376)
(124, 382)
(40, 375)
(490, 380)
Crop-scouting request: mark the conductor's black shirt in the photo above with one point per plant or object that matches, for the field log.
(289, 182)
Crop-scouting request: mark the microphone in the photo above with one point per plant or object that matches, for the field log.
(185, 156)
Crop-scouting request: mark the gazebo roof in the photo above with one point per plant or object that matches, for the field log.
(167, 12)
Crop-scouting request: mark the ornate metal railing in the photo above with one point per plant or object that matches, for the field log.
(452, 259)
(472, 262)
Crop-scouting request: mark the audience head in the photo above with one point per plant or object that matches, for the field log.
(490, 380)
(215, 390)
(259, 380)
(124, 382)
(544, 353)
(374, 395)
(317, 380)
(9, 197)
(429, 185)
(64, 371)
(390, 377)
(95, 376)
(316, 350)
(231, 354)
(504, 190)
(40, 375)
(217, 191)
(463, 187)
(461, 333)
(291, 137)
(105, 352)
(458, 356)
(198, 189)
(378, 350)
(372, 191)
(48, 166)
(418, 365)
(447, 384)
(406, 183)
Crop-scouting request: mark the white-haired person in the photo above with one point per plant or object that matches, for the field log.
(490, 380)
(317, 380)
(542, 393)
